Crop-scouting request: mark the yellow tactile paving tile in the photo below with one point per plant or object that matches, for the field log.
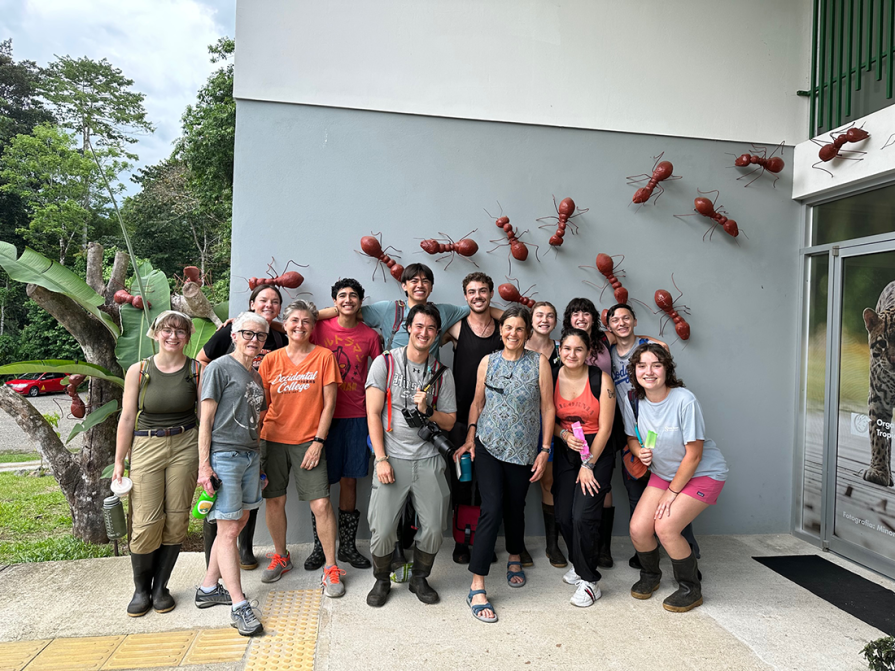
(282, 653)
(294, 613)
(146, 651)
(15, 656)
(213, 646)
(76, 654)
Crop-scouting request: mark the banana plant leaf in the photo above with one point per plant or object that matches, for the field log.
(133, 345)
(61, 366)
(34, 268)
(222, 310)
(98, 416)
(204, 330)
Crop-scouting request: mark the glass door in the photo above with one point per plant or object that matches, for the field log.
(860, 518)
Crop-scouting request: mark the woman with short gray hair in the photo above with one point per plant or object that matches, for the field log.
(300, 382)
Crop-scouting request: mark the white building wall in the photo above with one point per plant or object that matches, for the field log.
(719, 69)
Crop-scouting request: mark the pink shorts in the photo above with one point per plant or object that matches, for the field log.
(703, 488)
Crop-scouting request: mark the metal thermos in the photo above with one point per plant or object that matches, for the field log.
(113, 514)
(465, 468)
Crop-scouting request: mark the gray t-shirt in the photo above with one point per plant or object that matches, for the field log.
(388, 318)
(403, 441)
(677, 421)
(240, 397)
(620, 377)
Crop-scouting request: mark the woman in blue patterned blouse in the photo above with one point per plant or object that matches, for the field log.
(513, 397)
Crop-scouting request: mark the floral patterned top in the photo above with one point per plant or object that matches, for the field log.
(510, 422)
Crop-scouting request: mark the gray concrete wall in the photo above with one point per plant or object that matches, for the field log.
(310, 181)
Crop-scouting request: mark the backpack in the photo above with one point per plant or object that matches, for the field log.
(400, 306)
(634, 468)
(390, 376)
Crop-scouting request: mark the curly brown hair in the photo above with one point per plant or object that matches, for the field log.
(664, 357)
(478, 277)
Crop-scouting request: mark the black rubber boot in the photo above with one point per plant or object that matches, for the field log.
(650, 575)
(634, 562)
(398, 558)
(143, 566)
(382, 567)
(162, 600)
(209, 533)
(525, 558)
(247, 560)
(348, 551)
(604, 558)
(460, 555)
(554, 554)
(689, 591)
(422, 567)
(316, 559)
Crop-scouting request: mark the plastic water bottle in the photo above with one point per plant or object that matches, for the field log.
(113, 515)
(465, 468)
(205, 502)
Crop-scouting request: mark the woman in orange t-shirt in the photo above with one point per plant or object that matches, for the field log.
(300, 382)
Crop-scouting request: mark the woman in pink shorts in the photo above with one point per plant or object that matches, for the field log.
(666, 431)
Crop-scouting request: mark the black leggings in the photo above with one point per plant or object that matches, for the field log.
(503, 487)
(578, 515)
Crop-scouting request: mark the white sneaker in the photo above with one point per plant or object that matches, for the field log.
(586, 594)
(570, 577)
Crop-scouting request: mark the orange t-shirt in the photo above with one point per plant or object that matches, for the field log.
(295, 394)
(584, 409)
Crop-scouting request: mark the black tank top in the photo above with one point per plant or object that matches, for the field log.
(469, 350)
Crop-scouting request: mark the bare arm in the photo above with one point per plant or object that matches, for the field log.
(328, 313)
(684, 472)
(452, 334)
(497, 313)
(202, 358)
(127, 420)
(607, 415)
(375, 404)
(209, 408)
(475, 411)
(312, 455)
(548, 416)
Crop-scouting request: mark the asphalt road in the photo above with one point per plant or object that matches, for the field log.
(13, 439)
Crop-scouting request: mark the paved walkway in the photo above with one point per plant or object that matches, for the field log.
(752, 618)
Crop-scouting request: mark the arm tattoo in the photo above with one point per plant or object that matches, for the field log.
(611, 394)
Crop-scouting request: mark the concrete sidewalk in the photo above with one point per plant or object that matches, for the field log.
(752, 617)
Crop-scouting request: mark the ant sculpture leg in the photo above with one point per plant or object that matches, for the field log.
(889, 142)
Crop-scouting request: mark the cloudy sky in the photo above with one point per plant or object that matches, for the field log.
(161, 44)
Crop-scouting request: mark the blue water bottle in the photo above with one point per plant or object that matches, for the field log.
(465, 468)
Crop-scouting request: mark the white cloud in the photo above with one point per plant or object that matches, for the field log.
(161, 44)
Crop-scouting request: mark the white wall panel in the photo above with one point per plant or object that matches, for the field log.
(722, 69)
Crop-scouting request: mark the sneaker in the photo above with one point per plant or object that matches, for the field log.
(586, 594)
(332, 586)
(278, 566)
(245, 621)
(218, 597)
(570, 577)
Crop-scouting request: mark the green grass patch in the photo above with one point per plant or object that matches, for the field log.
(16, 457)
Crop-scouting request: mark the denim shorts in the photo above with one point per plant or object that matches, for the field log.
(347, 454)
(240, 474)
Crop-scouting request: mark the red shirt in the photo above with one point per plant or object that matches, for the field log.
(584, 409)
(353, 349)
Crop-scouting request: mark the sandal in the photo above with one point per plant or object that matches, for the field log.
(478, 608)
(515, 574)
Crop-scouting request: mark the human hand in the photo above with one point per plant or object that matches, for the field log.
(204, 480)
(570, 440)
(312, 456)
(539, 466)
(467, 447)
(118, 472)
(385, 472)
(226, 323)
(645, 456)
(664, 509)
(420, 399)
(587, 481)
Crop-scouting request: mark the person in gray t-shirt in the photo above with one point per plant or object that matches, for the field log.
(688, 472)
(407, 465)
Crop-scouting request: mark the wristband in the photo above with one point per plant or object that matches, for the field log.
(588, 465)
(673, 492)
(318, 439)
(545, 449)
(379, 460)
(470, 426)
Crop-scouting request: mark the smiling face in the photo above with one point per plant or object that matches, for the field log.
(418, 288)
(573, 352)
(622, 323)
(255, 344)
(478, 297)
(650, 372)
(347, 301)
(514, 333)
(172, 336)
(267, 304)
(299, 326)
(582, 320)
(423, 332)
(543, 320)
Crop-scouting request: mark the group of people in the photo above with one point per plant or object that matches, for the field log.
(322, 392)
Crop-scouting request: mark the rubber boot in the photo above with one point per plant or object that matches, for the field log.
(554, 554)
(460, 555)
(382, 567)
(142, 566)
(422, 567)
(348, 551)
(525, 558)
(247, 560)
(689, 591)
(650, 575)
(209, 533)
(162, 600)
(604, 557)
(316, 559)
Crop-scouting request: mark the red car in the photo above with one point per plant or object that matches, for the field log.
(34, 384)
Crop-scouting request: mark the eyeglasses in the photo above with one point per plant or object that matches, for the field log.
(180, 333)
(248, 335)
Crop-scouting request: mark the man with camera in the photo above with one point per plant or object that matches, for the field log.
(411, 401)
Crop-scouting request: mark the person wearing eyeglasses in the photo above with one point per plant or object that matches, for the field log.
(157, 428)
(232, 402)
(301, 382)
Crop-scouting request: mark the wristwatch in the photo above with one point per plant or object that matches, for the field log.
(429, 411)
(318, 439)
(545, 449)
(588, 465)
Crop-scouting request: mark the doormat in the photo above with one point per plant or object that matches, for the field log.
(857, 596)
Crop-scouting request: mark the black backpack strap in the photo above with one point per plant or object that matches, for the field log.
(595, 379)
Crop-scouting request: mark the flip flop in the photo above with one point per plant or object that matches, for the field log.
(515, 574)
(478, 608)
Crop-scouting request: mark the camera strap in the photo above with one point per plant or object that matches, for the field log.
(437, 369)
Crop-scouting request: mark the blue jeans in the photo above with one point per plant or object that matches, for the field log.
(240, 474)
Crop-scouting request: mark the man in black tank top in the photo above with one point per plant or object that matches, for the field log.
(474, 338)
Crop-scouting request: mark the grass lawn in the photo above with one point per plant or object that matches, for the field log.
(16, 457)
(35, 524)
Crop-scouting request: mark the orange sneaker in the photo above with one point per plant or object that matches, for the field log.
(278, 566)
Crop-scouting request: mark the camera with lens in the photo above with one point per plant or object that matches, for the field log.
(428, 431)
